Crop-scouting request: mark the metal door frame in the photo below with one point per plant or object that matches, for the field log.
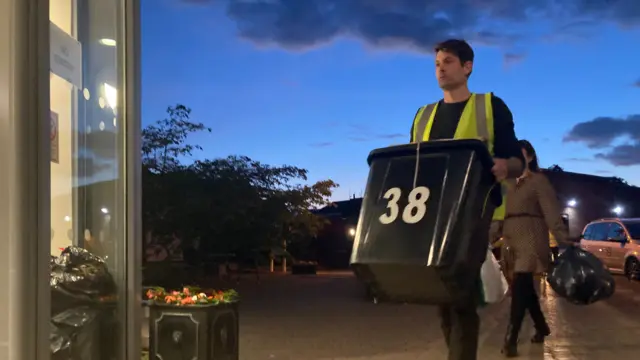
(25, 194)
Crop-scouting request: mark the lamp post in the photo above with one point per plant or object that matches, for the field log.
(618, 210)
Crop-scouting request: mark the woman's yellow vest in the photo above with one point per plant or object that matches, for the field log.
(476, 122)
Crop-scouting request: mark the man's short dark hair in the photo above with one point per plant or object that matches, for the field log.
(459, 48)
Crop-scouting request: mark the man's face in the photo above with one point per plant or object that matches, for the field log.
(449, 72)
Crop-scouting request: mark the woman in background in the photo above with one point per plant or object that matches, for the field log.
(495, 238)
(532, 210)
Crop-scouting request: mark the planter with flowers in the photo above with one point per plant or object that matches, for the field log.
(193, 324)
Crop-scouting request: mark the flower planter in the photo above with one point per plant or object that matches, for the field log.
(200, 332)
(304, 269)
(193, 331)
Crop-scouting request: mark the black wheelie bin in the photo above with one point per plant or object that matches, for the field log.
(423, 226)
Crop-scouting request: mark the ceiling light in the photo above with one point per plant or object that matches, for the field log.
(108, 42)
(111, 93)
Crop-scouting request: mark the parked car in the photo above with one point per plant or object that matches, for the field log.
(616, 242)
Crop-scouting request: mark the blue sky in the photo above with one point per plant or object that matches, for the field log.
(319, 89)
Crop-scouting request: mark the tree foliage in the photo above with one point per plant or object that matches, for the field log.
(555, 168)
(619, 181)
(165, 142)
(226, 205)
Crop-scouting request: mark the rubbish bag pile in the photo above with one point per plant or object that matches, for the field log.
(580, 277)
(82, 293)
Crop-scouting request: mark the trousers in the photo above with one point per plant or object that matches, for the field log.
(523, 298)
(461, 328)
(460, 322)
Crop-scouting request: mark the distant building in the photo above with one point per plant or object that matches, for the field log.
(589, 197)
(584, 198)
(335, 241)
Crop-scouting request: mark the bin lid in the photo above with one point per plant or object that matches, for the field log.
(435, 146)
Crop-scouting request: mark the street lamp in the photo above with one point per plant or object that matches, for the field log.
(572, 203)
(352, 232)
(617, 210)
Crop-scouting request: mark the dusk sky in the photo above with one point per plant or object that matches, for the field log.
(320, 83)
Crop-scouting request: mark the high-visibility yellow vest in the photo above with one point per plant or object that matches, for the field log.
(476, 122)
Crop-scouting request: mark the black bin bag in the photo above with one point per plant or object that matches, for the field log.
(424, 222)
(580, 277)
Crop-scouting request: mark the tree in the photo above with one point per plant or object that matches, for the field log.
(164, 142)
(164, 177)
(619, 180)
(555, 168)
(226, 205)
(264, 206)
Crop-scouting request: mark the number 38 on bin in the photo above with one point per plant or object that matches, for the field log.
(413, 212)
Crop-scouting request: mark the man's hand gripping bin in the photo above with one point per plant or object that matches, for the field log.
(423, 228)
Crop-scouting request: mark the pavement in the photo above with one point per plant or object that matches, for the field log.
(328, 317)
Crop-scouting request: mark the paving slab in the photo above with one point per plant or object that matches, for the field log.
(327, 317)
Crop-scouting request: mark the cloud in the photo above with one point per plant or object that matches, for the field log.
(357, 132)
(364, 132)
(600, 133)
(372, 137)
(509, 59)
(418, 25)
(391, 136)
(623, 155)
(637, 83)
(322, 144)
(358, 139)
(575, 159)
(573, 31)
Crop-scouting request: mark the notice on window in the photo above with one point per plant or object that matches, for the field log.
(54, 137)
(65, 56)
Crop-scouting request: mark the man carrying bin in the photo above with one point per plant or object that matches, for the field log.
(465, 115)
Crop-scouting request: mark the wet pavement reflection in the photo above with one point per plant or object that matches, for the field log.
(328, 317)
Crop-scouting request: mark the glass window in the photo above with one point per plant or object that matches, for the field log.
(599, 232)
(88, 227)
(616, 232)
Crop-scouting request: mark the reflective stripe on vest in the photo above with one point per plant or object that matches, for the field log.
(476, 122)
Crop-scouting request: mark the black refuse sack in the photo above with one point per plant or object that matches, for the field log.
(66, 326)
(82, 273)
(580, 277)
(82, 290)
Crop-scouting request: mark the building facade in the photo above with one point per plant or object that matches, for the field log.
(584, 198)
(70, 140)
(589, 197)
